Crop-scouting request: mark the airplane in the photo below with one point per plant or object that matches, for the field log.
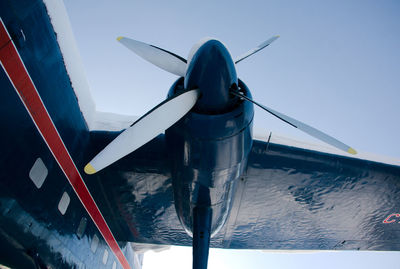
(76, 197)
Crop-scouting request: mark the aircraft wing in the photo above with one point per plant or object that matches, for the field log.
(136, 194)
(292, 198)
(289, 199)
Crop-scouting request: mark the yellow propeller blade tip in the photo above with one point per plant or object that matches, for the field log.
(89, 169)
(119, 38)
(278, 36)
(352, 151)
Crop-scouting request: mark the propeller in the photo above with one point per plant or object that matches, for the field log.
(162, 58)
(174, 108)
(256, 49)
(144, 129)
(301, 126)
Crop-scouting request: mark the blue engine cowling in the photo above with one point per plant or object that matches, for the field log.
(208, 155)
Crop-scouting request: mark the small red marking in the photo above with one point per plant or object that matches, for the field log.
(388, 219)
(23, 84)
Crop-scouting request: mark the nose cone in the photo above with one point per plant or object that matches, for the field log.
(212, 71)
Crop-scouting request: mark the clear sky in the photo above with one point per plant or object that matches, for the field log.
(336, 67)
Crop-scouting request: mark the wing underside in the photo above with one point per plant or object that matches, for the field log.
(289, 199)
(293, 198)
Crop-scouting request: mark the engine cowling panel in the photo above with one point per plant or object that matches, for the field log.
(209, 153)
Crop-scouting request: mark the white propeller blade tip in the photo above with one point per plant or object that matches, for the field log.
(352, 151)
(89, 169)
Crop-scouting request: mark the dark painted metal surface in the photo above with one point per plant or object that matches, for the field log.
(201, 236)
(208, 153)
(33, 232)
(212, 71)
(289, 198)
(300, 199)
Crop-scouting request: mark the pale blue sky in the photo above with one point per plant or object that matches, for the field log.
(335, 67)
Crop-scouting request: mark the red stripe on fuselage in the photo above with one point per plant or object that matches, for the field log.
(23, 84)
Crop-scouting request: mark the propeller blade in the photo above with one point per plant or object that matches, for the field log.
(258, 48)
(302, 126)
(162, 58)
(144, 129)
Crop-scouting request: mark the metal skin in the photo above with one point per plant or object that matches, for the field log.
(209, 146)
(208, 154)
(211, 69)
(33, 232)
(287, 198)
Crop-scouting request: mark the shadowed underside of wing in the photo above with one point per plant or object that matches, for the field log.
(289, 198)
(293, 198)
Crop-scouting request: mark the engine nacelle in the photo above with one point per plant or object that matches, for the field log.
(209, 153)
